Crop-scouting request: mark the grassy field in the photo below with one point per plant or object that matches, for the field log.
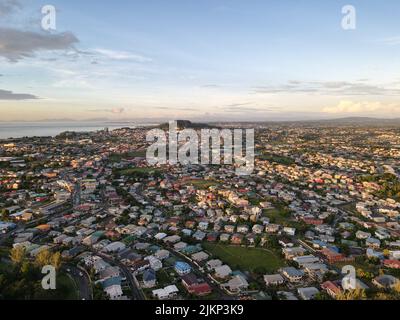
(277, 159)
(68, 290)
(135, 171)
(278, 215)
(117, 157)
(202, 184)
(246, 259)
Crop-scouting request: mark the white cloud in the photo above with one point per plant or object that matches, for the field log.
(392, 41)
(348, 106)
(116, 110)
(122, 55)
(337, 88)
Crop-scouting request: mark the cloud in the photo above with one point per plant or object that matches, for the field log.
(392, 41)
(175, 108)
(16, 45)
(9, 95)
(210, 86)
(122, 55)
(116, 110)
(347, 106)
(337, 88)
(8, 7)
(234, 105)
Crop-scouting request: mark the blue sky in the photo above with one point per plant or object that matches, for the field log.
(203, 59)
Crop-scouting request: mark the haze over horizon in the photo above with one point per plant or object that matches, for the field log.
(198, 60)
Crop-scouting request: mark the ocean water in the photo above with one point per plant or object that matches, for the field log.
(30, 129)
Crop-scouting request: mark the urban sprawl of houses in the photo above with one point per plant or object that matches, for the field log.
(319, 198)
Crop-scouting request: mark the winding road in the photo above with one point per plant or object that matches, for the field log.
(82, 281)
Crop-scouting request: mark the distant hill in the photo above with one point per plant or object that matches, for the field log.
(186, 124)
(361, 121)
(348, 121)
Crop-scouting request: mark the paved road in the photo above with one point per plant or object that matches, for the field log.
(195, 267)
(222, 293)
(82, 281)
(137, 294)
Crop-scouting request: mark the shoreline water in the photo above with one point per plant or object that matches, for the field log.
(16, 130)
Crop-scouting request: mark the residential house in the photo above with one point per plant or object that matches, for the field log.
(114, 292)
(307, 293)
(168, 292)
(162, 254)
(373, 242)
(237, 238)
(200, 256)
(292, 274)
(385, 281)
(222, 272)
(392, 264)
(331, 288)
(182, 268)
(212, 264)
(149, 278)
(273, 280)
(237, 284)
(194, 286)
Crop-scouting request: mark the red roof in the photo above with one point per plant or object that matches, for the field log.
(395, 264)
(201, 289)
(329, 285)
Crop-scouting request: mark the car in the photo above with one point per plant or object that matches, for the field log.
(68, 270)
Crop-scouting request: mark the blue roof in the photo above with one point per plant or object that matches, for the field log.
(7, 224)
(149, 275)
(112, 281)
(182, 266)
(334, 248)
(320, 243)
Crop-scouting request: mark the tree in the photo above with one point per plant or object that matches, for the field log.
(25, 268)
(4, 214)
(357, 294)
(386, 253)
(56, 260)
(345, 249)
(396, 287)
(43, 258)
(17, 255)
(360, 273)
(329, 276)
(383, 296)
(322, 296)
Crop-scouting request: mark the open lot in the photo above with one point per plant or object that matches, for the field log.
(246, 258)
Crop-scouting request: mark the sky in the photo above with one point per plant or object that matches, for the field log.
(219, 60)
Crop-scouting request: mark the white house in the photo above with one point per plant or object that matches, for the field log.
(222, 271)
(307, 293)
(114, 292)
(273, 280)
